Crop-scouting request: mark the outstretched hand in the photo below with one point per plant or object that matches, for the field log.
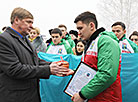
(59, 70)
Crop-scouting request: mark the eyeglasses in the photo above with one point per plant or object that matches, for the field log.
(134, 39)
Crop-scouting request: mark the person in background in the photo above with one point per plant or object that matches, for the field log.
(67, 37)
(74, 35)
(134, 37)
(58, 45)
(126, 45)
(4, 28)
(80, 45)
(50, 39)
(20, 67)
(78, 36)
(63, 29)
(37, 40)
(102, 52)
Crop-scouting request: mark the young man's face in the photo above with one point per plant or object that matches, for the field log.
(118, 30)
(64, 31)
(56, 38)
(84, 30)
(24, 25)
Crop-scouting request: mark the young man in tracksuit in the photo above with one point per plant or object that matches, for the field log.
(126, 45)
(58, 45)
(102, 52)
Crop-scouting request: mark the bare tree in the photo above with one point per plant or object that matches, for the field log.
(119, 10)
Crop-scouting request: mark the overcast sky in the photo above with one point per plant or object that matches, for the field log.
(48, 13)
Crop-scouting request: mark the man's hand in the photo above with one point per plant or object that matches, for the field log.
(59, 70)
(76, 98)
(70, 72)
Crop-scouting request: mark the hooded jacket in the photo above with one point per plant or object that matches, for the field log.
(103, 53)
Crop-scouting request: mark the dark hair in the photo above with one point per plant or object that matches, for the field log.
(62, 25)
(74, 32)
(134, 33)
(4, 28)
(84, 42)
(119, 23)
(80, 40)
(50, 30)
(87, 17)
(56, 30)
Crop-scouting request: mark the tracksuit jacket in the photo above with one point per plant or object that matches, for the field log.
(102, 52)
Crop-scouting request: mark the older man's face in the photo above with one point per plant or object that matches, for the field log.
(24, 26)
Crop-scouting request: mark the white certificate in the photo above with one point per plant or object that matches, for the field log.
(82, 76)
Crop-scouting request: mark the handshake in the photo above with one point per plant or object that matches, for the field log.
(60, 68)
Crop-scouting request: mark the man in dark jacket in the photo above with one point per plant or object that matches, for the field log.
(20, 68)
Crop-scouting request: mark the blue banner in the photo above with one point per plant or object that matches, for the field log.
(129, 77)
(51, 90)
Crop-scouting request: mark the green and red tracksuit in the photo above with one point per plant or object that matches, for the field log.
(127, 46)
(103, 53)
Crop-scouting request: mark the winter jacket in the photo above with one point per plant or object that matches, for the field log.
(38, 44)
(103, 53)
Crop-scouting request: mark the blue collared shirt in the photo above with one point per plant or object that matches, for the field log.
(17, 33)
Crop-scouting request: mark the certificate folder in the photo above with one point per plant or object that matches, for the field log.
(83, 74)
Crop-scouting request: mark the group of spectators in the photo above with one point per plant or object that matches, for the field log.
(21, 69)
(61, 42)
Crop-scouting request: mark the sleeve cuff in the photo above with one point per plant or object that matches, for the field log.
(82, 96)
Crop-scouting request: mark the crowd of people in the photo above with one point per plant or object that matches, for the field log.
(71, 43)
(21, 68)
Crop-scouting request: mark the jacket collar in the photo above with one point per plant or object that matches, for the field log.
(23, 40)
(123, 37)
(17, 33)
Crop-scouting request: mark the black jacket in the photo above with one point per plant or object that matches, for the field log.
(20, 69)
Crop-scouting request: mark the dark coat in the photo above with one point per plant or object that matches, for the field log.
(20, 69)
